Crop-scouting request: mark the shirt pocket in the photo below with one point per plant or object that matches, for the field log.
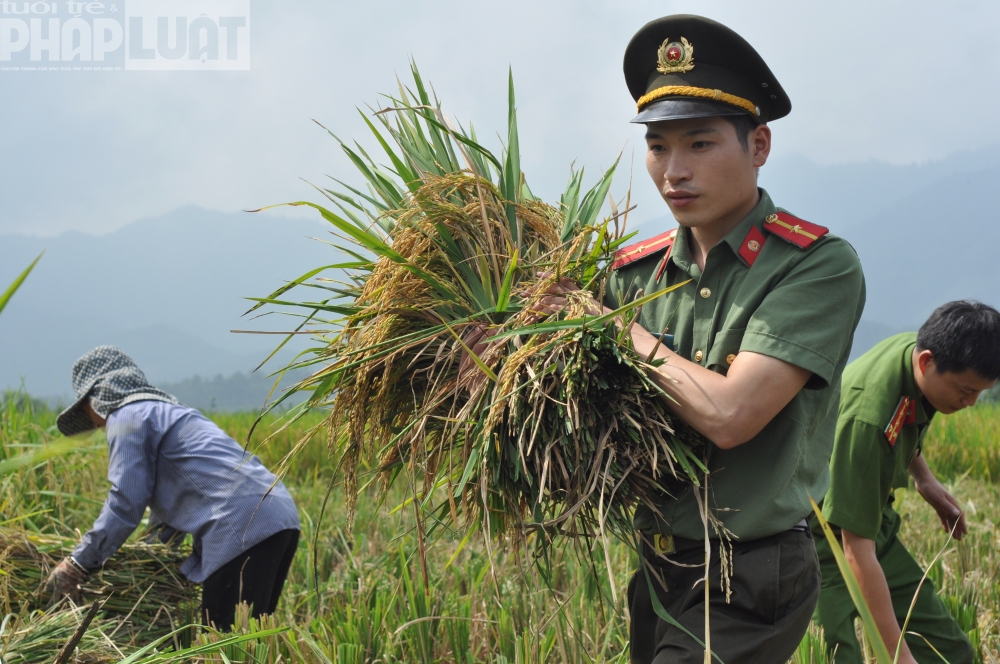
(725, 348)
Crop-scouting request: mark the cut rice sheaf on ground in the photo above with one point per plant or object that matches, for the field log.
(141, 587)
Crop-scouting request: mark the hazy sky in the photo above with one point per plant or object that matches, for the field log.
(90, 151)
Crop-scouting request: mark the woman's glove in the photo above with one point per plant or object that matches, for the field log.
(65, 580)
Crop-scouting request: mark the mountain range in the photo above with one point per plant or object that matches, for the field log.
(169, 289)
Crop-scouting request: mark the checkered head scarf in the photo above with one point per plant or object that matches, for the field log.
(110, 379)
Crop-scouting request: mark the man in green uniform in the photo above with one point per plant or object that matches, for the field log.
(758, 338)
(888, 398)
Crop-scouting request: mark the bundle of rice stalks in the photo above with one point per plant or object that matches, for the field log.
(140, 585)
(550, 422)
(40, 636)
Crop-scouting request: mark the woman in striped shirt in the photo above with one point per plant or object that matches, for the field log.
(193, 478)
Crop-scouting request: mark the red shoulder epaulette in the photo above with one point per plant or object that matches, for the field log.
(906, 413)
(633, 252)
(799, 232)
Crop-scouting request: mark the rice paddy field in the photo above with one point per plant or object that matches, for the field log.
(365, 595)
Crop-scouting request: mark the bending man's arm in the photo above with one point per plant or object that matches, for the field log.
(947, 508)
(860, 554)
(132, 473)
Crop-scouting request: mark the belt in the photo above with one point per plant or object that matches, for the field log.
(665, 545)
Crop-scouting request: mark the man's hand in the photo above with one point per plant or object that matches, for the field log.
(64, 581)
(555, 299)
(475, 340)
(947, 508)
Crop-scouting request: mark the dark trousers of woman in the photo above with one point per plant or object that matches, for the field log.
(256, 577)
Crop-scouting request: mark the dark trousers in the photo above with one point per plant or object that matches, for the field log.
(775, 585)
(256, 577)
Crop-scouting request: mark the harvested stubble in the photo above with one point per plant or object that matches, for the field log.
(140, 584)
(39, 636)
(553, 424)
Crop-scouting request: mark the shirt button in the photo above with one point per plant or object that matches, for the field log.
(730, 358)
(706, 292)
(698, 355)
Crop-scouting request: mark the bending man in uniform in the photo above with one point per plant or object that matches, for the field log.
(755, 344)
(194, 478)
(888, 399)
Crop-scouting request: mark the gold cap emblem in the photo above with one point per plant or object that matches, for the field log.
(675, 57)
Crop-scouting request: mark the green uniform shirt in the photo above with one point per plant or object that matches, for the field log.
(798, 305)
(865, 468)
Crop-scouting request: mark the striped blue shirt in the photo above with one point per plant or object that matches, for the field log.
(194, 478)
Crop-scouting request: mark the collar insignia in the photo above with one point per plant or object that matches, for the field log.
(653, 245)
(752, 244)
(666, 255)
(906, 413)
(675, 57)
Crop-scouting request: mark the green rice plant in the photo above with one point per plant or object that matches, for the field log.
(965, 443)
(420, 631)
(459, 631)
(36, 456)
(256, 650)
(23, 422)
(202, 652)
(812, 649)
(437, 359)
(967, 580)
(7, 294)
(964, 609)
(31, 494)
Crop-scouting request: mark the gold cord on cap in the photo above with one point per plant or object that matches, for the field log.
(691, 91)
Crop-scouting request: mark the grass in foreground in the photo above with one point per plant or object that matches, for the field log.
(373, 601)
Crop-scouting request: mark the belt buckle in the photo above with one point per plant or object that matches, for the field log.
(664, 544)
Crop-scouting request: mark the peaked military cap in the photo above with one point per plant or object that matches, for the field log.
(686, 66)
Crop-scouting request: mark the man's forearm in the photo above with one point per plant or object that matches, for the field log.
(931, 490)
(919, 470)
(860, 554)
(704, 407)
(728, 409)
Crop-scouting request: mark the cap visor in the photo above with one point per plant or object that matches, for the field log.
(684, 109)
(74, 420)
